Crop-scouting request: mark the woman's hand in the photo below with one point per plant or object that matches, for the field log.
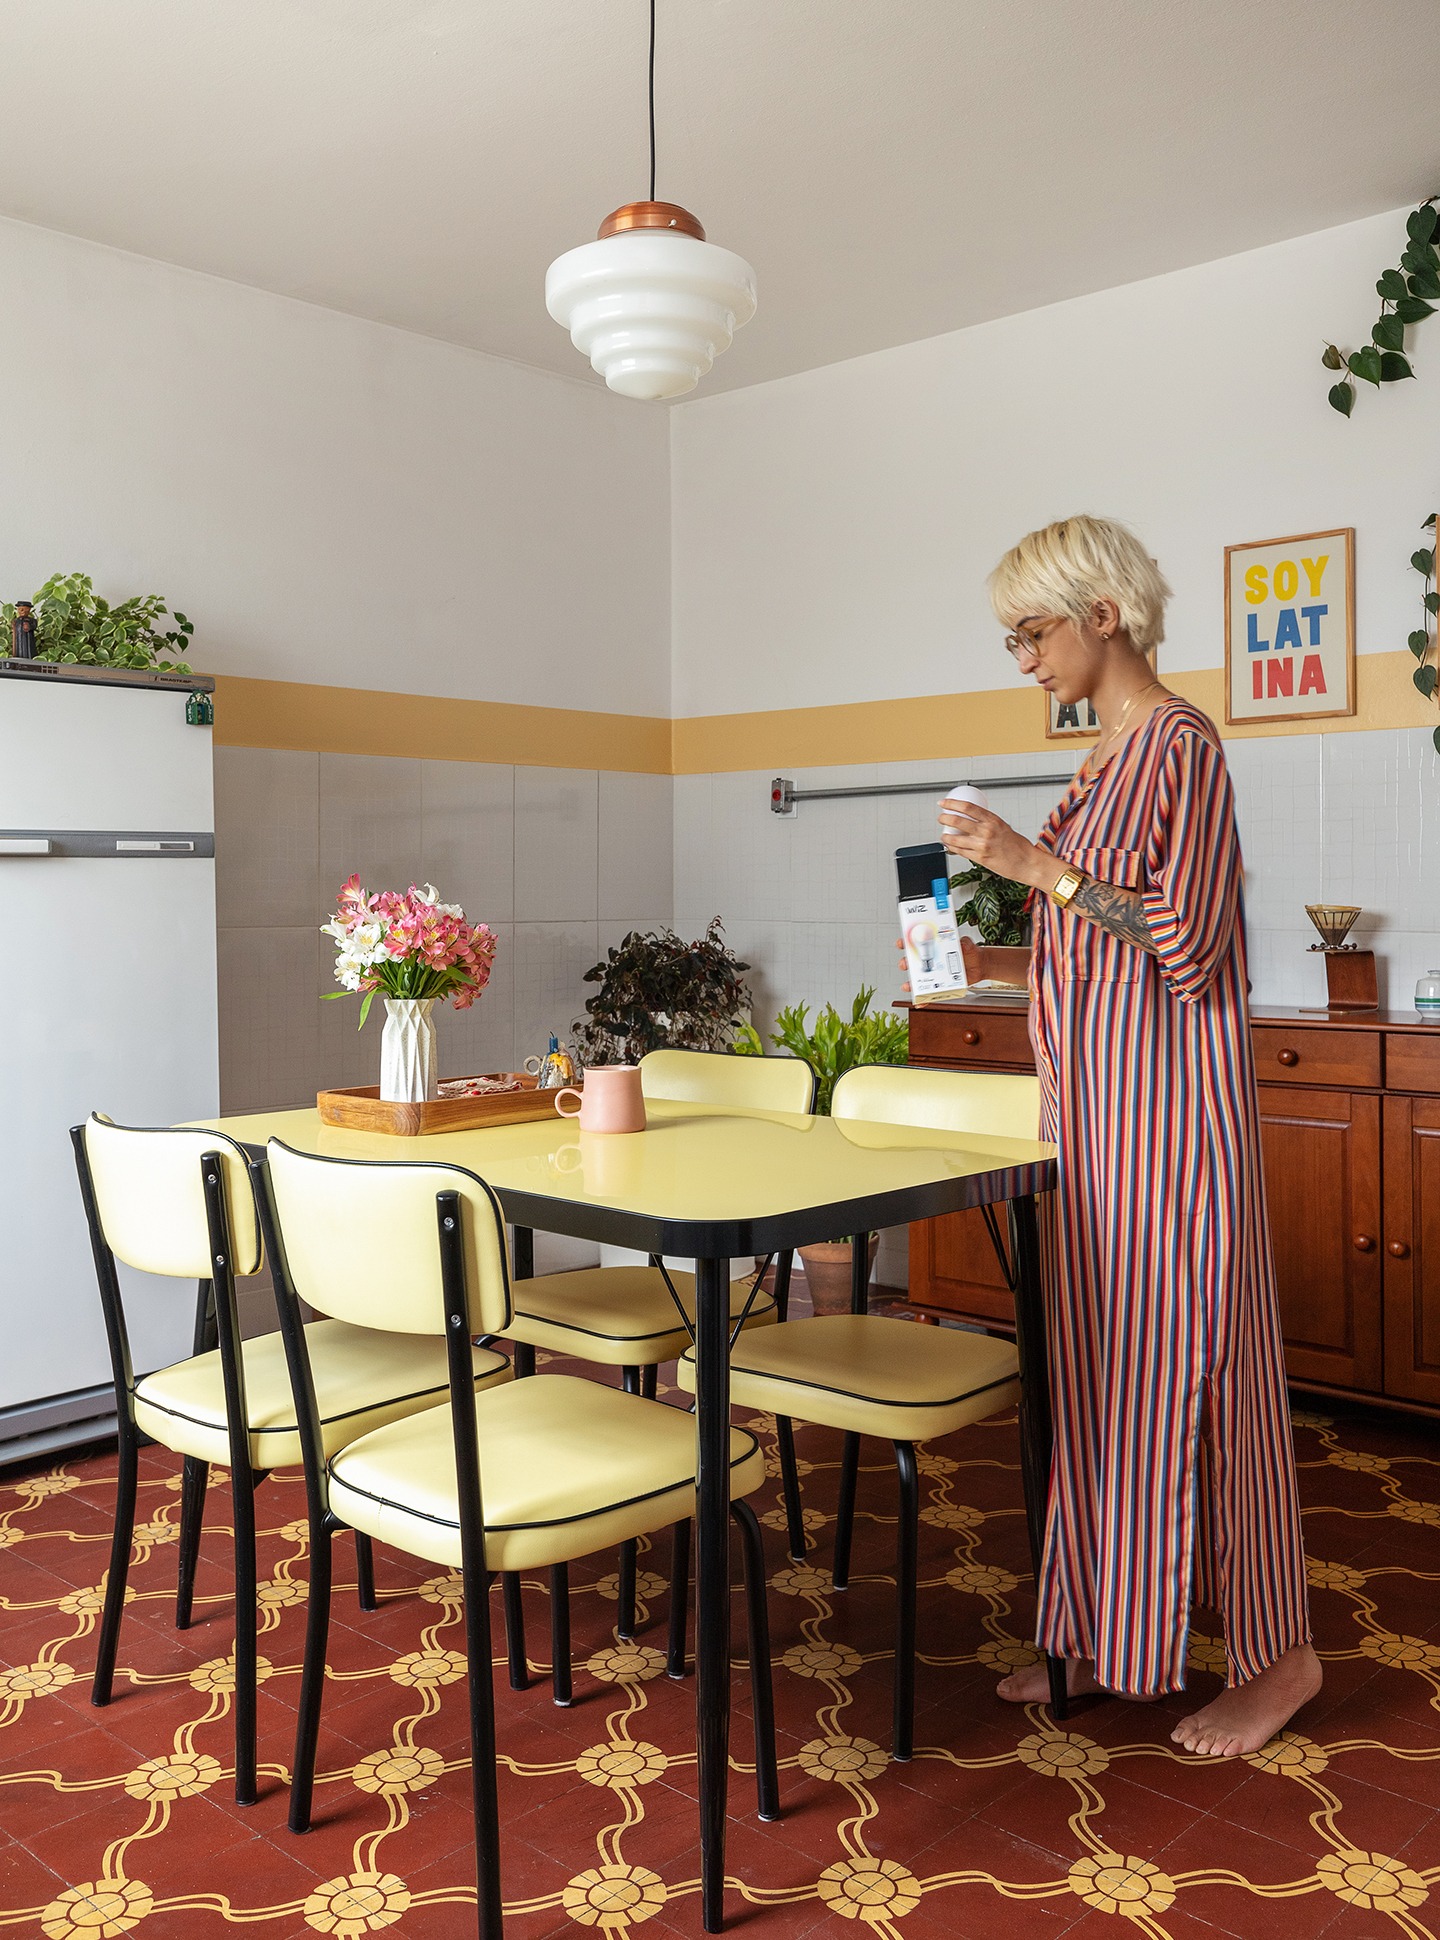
(979, 835)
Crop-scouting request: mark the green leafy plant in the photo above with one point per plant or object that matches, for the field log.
(996, 907)
(657, 990)
(836, 1044)
(1423, 641)
(74, 625)
(1408, 294)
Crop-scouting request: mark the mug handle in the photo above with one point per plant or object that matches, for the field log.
(568, 1093)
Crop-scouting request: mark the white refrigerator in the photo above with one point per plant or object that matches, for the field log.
(107, 1003)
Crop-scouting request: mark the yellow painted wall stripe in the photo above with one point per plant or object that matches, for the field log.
(359, 720)
(932, 727)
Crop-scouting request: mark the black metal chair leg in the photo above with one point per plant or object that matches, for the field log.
(762, 1700)
(312, 1679)
(845, 1512)
(242, 1490)
(524, 1360)
(515, 1631)
(783, 1263)
(625, 1614)
(365, 1571)
(679, 1599)
(907, 1551)
(649, 1381)
(790, 1487)
(560, 1676)
(125, 1486)
(194, 1474)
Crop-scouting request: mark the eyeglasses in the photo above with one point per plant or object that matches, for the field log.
(1022, 640)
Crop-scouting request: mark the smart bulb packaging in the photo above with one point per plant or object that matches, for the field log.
(927, 922)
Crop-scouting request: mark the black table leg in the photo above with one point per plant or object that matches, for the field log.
(712, 1576)
(1036, 1434)
(522, 1252)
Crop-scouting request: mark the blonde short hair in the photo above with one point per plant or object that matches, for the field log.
(1064, 568)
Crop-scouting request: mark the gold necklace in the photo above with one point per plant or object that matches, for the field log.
(1113, 734)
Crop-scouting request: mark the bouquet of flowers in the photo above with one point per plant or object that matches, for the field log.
(407, 946)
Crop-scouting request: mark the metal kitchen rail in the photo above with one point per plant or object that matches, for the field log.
(784, 794)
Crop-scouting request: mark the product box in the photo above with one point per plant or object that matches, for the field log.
(927, 922)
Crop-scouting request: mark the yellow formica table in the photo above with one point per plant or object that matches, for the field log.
(714, 1184)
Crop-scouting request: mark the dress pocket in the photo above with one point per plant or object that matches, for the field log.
(1087, 953)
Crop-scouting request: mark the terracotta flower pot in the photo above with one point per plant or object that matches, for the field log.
(828, 1272)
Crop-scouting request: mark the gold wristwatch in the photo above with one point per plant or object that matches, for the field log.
(1064, 891)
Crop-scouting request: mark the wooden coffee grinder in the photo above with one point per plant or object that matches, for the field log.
(1349, 971)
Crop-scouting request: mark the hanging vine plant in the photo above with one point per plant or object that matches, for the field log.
(1408, 294)
(1423, 641)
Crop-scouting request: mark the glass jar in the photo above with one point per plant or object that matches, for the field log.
(1427, 995)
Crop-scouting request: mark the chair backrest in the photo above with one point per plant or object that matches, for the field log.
(1000, 1104)
(722, 1078)
(361, 1241)
(151, 1202)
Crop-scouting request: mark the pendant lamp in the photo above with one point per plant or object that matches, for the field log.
(651, 303)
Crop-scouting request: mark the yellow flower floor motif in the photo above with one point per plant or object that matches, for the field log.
(1006, 1825)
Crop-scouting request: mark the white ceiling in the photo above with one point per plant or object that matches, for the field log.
(892, 168)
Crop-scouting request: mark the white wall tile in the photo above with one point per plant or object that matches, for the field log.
(370, 823)
(269, 1021)
(550, 964)
(267, 822)
(557, 820)
(1382, 829)
(467, 823)
(636, 844)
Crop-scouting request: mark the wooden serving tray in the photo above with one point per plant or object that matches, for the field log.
(361, 1109)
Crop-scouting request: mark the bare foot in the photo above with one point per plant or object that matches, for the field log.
(1247, 1716)
(1032, 1685)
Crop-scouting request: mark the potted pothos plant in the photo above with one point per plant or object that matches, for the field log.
(658, 991)
(74, 626)
(833, 1046)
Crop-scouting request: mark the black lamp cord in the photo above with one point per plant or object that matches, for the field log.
(652, 100)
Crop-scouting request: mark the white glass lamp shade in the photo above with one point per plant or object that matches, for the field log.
(650, 308)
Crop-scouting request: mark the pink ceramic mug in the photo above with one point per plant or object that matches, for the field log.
(612, 1100)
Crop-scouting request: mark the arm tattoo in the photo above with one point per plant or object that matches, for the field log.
(1120, 911)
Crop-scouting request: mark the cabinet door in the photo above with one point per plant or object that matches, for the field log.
(1412, 1248)
(1322, 1181)
(953, 1268)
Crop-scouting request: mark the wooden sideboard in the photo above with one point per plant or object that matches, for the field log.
(1351, 1127)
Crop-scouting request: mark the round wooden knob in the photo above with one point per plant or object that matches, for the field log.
(1288, 1057)
(1399, 1250)
(972, 1037)
(1364, 1243)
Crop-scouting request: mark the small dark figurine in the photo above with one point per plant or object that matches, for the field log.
(22, 631)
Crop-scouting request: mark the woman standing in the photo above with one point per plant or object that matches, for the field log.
(1173, 1477)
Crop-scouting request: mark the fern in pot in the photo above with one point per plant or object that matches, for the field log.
(833, 1046)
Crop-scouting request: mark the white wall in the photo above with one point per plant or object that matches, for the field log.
(833, 531)
(330, 500)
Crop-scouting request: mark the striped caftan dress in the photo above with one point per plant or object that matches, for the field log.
(1173, 1477)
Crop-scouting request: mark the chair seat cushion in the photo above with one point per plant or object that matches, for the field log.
(567, 1467)
(871, 1376)
(622, 1316)
(363, 1379)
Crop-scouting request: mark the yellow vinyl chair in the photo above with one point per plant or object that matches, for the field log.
(534, 1474)
(627, 1316)
(180, 1204)
(868, 1375)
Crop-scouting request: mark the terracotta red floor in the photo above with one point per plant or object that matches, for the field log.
(121, 1820)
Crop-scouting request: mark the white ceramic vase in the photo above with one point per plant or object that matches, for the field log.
(409, 1063)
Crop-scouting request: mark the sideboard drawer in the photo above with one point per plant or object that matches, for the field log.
(983, 1038)
(1316, 1057)
(1412, 1062)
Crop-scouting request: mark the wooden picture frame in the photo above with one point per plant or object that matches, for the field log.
(1280, 602)
(1087, 726)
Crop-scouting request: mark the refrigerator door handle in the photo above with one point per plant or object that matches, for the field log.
(24, 845)
(155, 848)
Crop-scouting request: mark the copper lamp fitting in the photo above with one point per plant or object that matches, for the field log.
(651, 215)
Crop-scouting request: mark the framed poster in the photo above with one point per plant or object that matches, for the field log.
(1076, 720)
(1290, 628)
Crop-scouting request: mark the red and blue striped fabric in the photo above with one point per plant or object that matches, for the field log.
(1173, 1478)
